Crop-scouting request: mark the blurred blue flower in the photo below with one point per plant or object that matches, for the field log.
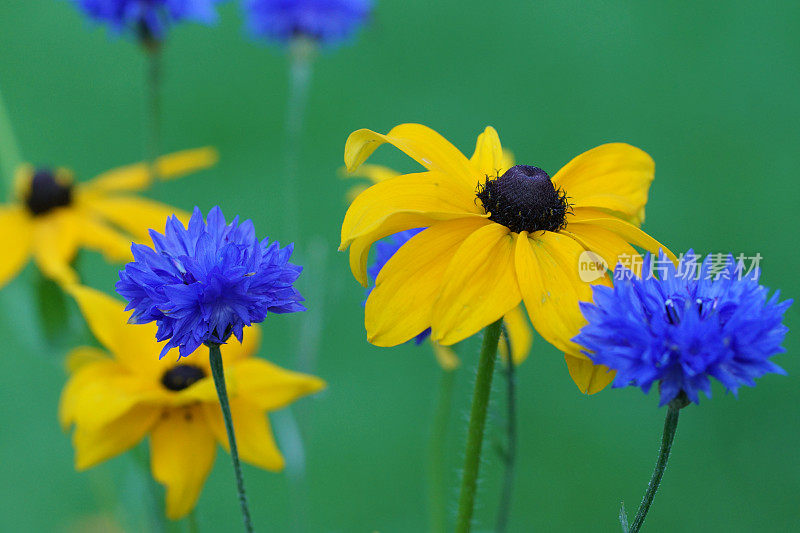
(685, 327)
(326, 21)
(384, 250)
(149, 19)
(204, 283)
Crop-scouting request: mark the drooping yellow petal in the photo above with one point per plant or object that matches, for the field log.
(589, 378)
(253, 434)
(93, 447)
(178, 164)
(480, 285)
(520, 335)
(430, 194)
(135, 215)
(611, 248)
(614, 176)
(16, 234)
(100, 392)
(421, 143)
(133, 345)
(445, 356)
(401, 305)
(550, 286)
(55, 243)
(488, 158)
(137, 177)
(582, 217)
(182, 452)
(270, 387)
(94, 234)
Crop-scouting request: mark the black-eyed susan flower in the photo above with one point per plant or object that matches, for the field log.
(53, 216)
(121, 393)
(496, 236)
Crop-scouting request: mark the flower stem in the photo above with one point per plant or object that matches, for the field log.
(153, 141)
(670, 426)
(9, 150)
(477, 423)
(510, 453)
(438, 453)
(301, 53)
(215, 359)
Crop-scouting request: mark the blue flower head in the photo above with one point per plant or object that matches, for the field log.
(687, 326)
(204, 283)
(384, 250)
(149, 19)
(326, 21)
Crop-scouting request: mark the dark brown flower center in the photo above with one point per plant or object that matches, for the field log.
(180, 377)
(47, 192)
(524, 199)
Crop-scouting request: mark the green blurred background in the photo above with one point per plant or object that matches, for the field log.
(709, 89)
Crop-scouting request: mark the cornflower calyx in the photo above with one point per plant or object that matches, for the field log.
(181, 377)
(524, 199)
(48, 191)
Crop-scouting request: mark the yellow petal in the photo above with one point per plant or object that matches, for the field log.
(134, 345)
(55, 243)
(100, 392)
(16, 234)
(94, 234)
(401, 305)
(480, 285)
(254, 437)
(178, 164)
(270, 387)
(421, 143)
(614, 176)
(93, 447)
(182, 452)
(430, 194)
(135, 215)
(577, 223)
(488, 158)
(82, 356)
(549, 287)
(374, 173)
(608, 245)
(589, 378)
(520, 335)
(445, 356)
(137, 177)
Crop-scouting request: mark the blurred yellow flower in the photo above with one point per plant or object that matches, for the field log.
(115, 398)
(53, 216)
(496, 236)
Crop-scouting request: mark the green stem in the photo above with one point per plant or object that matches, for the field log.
(477, 423)
(10, 157)
(670, 426)
(215, 359)
(301, 53)
(153, 141)
(510, 455)
(438, 453)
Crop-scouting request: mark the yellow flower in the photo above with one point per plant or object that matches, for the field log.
(495, 237)
(116, 398)
(53, 217)
(519, 332)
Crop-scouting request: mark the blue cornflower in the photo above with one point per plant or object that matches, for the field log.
(687, 326)
(326, 21)
(204, 283)
(149, 19)
(384, 250)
